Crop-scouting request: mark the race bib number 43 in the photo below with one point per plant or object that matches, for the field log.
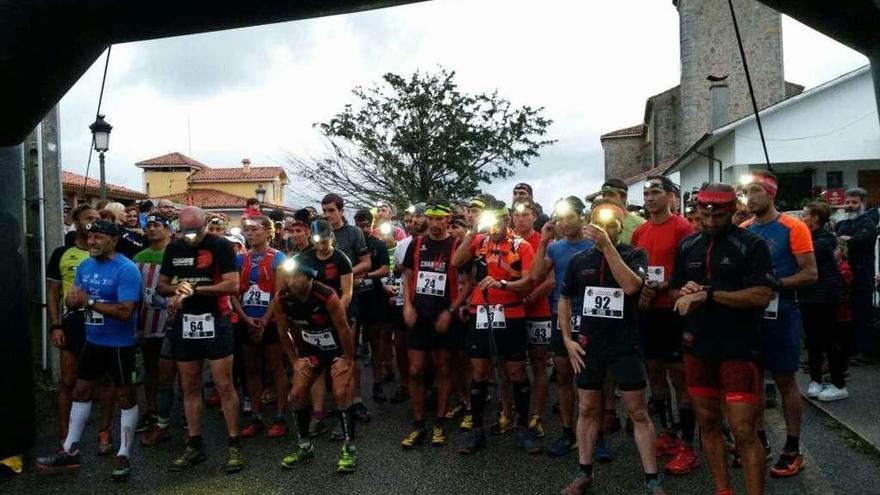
(539, 332)
(498, 320)
(431, 284)
(603, 302)
(198, 326)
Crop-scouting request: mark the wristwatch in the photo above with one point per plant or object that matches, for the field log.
(90, 303)
(710, 293)
(504, 284)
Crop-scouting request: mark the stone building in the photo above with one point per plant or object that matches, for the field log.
(713, 90)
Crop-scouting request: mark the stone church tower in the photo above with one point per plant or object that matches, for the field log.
(676, 118)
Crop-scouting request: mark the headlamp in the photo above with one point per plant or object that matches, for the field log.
(289, 265)
(605, 216)
(745, 180)
(411, 209)
(385, 229)
(236, 230)
(520, 208)
(316, 238)
(563, 208)
(488, 219)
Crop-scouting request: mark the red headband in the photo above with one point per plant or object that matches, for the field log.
(768, 183)
(716, 199)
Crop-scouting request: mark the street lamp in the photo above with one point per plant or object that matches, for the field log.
(261, 194)
(101, 138)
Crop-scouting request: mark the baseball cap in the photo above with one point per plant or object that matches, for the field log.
(104, 227)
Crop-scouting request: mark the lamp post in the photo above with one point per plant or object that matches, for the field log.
(101, 139)
(260, 193)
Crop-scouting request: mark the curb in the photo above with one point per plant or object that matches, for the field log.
(822, 409)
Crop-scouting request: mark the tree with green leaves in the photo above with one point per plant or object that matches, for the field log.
(410, 138)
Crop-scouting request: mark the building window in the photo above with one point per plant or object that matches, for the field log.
(834, 179)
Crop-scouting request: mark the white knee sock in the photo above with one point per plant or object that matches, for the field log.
(79, 414)
(128, 419)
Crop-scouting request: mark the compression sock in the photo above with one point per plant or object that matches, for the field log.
(128, 419)
(79, 414)
(303, 417)
(478, 401)
(522, 395)
(164, 401)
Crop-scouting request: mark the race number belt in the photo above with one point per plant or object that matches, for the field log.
(771, 312)
(256, 297)
(498, 320)
(198, 326)
(539, 332)
(603, 302)
(431, 284)
(322, 339)
(94, 318)
(656, 274)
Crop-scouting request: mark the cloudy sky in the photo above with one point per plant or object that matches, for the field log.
(255, 92)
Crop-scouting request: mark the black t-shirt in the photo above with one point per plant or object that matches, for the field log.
(204, 264)
(131, 243)
(606, 336)
(331, 270)
(350, 241)
(434, 290)
(311, 325)
(733, 261)
(378, 257)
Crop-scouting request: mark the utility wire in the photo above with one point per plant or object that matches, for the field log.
(742, 54)
(97, 112)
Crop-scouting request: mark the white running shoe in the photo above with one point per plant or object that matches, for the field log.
(814, 390)
(832, 393)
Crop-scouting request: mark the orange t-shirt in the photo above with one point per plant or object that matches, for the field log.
(511, 260)
(541, 307)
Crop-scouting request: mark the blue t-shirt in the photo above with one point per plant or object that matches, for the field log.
(786, 237)
(258, 311)
(560, 253)
(110, 281)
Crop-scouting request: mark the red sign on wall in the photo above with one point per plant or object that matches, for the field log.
(835, 197)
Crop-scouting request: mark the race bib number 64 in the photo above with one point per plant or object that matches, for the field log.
(603, 302)
(198, 326)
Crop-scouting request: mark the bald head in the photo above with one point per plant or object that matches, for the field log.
(192, 217)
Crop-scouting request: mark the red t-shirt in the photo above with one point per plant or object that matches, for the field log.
(510, 259)
(660, 241)
(541, 307)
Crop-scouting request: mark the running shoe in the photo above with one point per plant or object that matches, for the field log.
(337, 434)
(235, 461)
(685, 461)
(504, 424)
(602, 452)
(579, 485)
(278, 428)
(789, 464)
(832, 393)
(146, 422)
(814, 389)
(304, 453)
(316, 427)
(190, 457)
(536, 424)
(467, 422)
(455, 411)
(59, 459)
(562, 445)
(415, 438)
(438, 436)
(105, 443)
(528, 441)
(667, 444)
(348, 459)
(121, 468)
(474, 441)
(155, 436)
(253, 428)
(653, 487)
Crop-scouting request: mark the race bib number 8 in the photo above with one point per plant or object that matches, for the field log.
(256, 297)
(771, 312)
(198, 326)
(322, 340)
(539, 332)
(603, 302)
(498, 320)
(431, 284)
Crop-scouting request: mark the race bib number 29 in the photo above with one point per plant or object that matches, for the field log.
(603, 302)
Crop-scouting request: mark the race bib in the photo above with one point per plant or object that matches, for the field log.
(657, 274)
(771, 312)
(498, 320)
(603, 302)
(322, 339)
(539, 332)
(431, 284)
(198, 326)
(575, 324)
(256, 297)
(364, 284)
(152, 299)
(94, 318)
(394, 283)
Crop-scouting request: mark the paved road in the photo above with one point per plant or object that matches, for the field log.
(835, 465)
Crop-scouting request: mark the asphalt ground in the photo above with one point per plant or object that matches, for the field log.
(837, 462)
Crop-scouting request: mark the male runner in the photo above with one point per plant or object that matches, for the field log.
(497, 329)
(616, 190)
(108, 286)
(199, 275)
(385, 215)
(159, 367)
(721, 284)
(794, 266)
(315, 334)
(551, 261)
(660, 327)
(257, 287)
(538, 315)
(431, 303)
(602, 286)
(523, 192)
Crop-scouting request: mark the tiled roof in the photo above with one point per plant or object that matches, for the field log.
(658, 170)
(174, 159)
(636, 130)
(236, 174)
(74, 182)
(211, 199)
